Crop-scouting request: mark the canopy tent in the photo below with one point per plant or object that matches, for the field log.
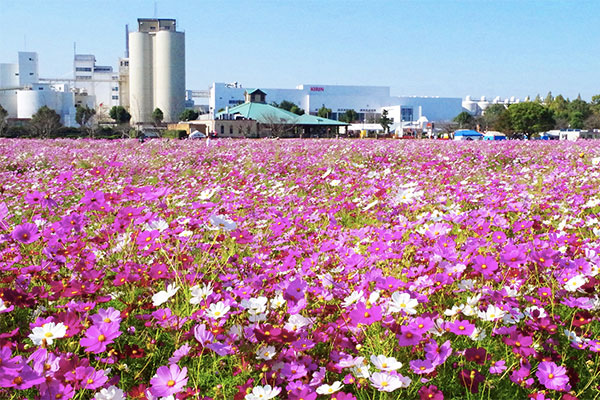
(197, 135)
(494, 135)
(467, 134)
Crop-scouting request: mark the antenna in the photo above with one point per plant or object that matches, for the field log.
(126, 41)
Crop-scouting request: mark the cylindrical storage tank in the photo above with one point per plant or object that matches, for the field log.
(169, 74)
(30, 101)
(140, 77)
(8, 101)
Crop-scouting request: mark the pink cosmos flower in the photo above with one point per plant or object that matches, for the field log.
(461, 328)
(168, 380)
(26, 233)
(552, 376)
(98, 337)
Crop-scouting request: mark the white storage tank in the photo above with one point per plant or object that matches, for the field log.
(169, 73)
(140, 72)
(30, 101)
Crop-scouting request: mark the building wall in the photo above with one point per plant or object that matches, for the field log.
(169, 73)
(98, 81)
(367, 101)
(224, 128)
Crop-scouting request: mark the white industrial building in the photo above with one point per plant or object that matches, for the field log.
(22, 94)
(98, 82)
(478, 107)
(368, 101)
(156, 70)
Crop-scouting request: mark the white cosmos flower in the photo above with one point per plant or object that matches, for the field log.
(385, 382)
(158, 225)
(164, 295)
(296, 322)
(575, 283)
(384, 363)
(110, 393)
(361, 371)
(403, 302)
(221, 222)
(255, 305)
(352, 298)
(200, 293)
(263, 393)
(48, 332)
(2, 305)
(278, 301)
(207, 194)
(218, 310)
(329, 389)
(492, 313)
(266, 353)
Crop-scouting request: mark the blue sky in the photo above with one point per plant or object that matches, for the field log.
(417, 47)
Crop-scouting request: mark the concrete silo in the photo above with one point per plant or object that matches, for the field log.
(141, 92)
(169, 73)
(156, 70)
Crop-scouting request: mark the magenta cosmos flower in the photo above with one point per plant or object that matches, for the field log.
(552, 376)
(168, 380)
(26, 233)
(98, 337)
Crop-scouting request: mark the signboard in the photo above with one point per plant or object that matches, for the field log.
(317, 89)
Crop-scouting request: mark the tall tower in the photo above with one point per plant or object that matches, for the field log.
(156, 70)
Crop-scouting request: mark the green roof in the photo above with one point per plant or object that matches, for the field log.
(266, 113)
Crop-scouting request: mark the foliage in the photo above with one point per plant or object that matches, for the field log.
(350, 116)
(188, 115)
(289, 106)
(157, 116)
(385, 121)
(84, 117)
(120, 114)
(174, 134)
(465, 120)
(44, 122)
(324, 112)
(530, 118)
(3, 120)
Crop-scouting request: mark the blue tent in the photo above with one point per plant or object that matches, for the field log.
(467, 134)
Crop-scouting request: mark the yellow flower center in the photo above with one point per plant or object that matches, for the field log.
(171, 383)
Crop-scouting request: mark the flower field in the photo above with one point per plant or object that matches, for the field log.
(299, 269)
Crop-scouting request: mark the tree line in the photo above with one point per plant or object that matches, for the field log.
(46, 123)
(532, 117)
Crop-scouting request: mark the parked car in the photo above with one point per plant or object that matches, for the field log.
(150, 135)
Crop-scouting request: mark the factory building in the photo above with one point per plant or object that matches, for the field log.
(99, 82)
(368, 101)
(156, 70)
(22, 93)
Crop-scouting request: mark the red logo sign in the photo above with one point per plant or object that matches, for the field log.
(317, 89)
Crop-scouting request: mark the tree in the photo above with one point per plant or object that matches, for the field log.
(84, 117)
(537, 99)
(494, 117)
(579, 106)
(3, 123)
(44, 122)
(324, 112)
(530, 118)
(349, 116)
(464, 120)
(549, 99)
(289, 106)
(592, 122)
(188, 115)
(277, 126)
(119, 114)
(157, 116)
(385, 121)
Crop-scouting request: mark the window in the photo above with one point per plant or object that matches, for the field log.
(115, 97)
(231, 129)
(115, 89)
(31, 73)
(83, 69)
(406, 114)
(222, 129)
(40, 88)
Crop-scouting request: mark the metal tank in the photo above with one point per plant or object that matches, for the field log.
(169, 73)
(140, 77)
(30, 101)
